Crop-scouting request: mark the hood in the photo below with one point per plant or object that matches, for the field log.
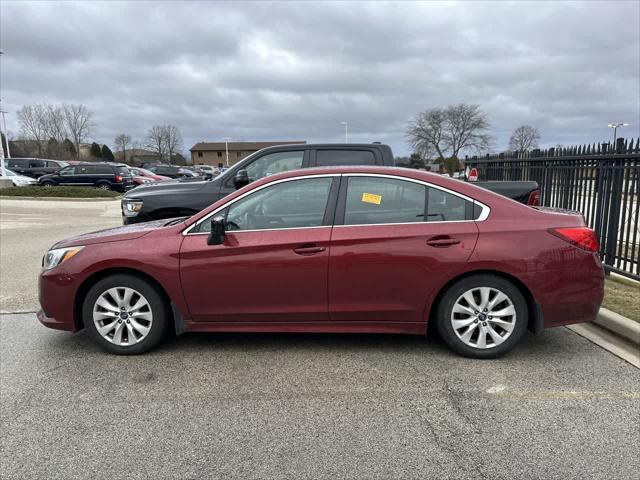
(126, 232)
(166, 187)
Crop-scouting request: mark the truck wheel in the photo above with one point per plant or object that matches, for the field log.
(483, 316)
(125, 314)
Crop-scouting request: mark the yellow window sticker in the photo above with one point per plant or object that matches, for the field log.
(371, 198)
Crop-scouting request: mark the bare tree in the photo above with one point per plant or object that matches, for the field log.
(121, 142)
(78, 121)
(156, 140)
(173, 139)
(449, 131)
(165, 140)
(524, 138)
(33, 125)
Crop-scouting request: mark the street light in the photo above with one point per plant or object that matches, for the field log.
(615, 130)
(226, 148)
(346, 131)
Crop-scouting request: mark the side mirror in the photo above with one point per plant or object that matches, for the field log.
(217, 234)
(241, 179)
(208, 176)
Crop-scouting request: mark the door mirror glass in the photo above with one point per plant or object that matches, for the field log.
(217, 233)
(241, 179)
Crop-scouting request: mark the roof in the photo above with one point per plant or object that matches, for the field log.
(200, 146)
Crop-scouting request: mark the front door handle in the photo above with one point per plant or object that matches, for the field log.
(441, 242)
(309, 250)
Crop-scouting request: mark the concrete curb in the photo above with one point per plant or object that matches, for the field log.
(619, 325)
(62, 199)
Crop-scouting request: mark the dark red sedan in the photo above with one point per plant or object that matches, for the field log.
(351, 249)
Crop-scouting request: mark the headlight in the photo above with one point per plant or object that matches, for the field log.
(131, 208)
(53, 258)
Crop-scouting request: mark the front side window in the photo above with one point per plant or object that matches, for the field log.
(334, 158)
(377, 200)
(292, 204)
(16, 163)
(445, 207)
(36, 163)
(66, 171)
(274, 163)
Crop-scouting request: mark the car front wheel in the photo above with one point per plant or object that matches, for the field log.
(125, 314)
(483, 316)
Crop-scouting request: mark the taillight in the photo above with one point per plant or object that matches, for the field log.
(582, 237)
(534, 198)
(118, 179)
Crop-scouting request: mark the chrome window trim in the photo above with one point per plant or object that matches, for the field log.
(483, 215)
(190, 227)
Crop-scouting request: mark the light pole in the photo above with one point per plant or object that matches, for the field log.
(226, 148)
(615, 131)
(346, 131)
(2, 170)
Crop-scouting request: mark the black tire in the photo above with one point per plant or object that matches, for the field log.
(455, 291)
(157, 303)
(103, 186)
(47, 184)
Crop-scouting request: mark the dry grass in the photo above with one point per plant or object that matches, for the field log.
(623, 297)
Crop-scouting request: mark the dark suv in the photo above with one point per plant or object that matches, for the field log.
(34, 167)
(105, 176)
(170, 171)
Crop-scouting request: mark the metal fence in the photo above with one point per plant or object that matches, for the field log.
(600, 181)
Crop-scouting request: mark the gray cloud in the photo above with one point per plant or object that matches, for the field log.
(259, 71)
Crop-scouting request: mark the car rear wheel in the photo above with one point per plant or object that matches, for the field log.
(483, 316)
(103, 186)
(125, 314)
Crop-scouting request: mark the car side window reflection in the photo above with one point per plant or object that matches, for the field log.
(274, 163)
(445, 207)
(293, 204)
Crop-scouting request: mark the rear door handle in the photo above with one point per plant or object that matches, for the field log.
(309, 250)
(443, 242)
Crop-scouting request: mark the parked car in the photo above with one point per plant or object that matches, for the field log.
(350, 249)
(143, 172)
(170, 171)
(34, 167)
(158, 201)
(19, 180)
(105, 176)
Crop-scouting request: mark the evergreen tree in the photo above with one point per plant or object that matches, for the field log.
(95, 151)
(107, 154)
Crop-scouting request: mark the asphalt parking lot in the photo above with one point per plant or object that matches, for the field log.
(295, 406)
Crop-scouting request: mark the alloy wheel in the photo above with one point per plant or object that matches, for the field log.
(122, 316)
(483, 317)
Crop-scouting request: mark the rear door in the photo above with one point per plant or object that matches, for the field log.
(393, 245)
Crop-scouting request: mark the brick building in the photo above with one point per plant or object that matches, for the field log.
(214, 153)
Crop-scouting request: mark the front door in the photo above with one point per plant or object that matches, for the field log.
(393, 244)
(272, 266)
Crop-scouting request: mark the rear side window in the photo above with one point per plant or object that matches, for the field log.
(85, 170)
(103, 170)
(446, 207)
(123, 171)
(375, 200)
(333, 158)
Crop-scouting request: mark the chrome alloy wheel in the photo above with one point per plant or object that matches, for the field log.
(122, 316)
(483, 317)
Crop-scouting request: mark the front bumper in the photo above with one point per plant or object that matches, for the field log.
(57, 292)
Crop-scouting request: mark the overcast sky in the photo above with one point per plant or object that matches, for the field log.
(294, 71)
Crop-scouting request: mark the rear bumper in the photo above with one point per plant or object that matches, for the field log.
(570, 295)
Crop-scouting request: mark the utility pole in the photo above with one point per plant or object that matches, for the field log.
(346, 131)
(2, 170)
(226, 148)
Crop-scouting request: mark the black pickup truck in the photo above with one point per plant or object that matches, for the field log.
(170, 199)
